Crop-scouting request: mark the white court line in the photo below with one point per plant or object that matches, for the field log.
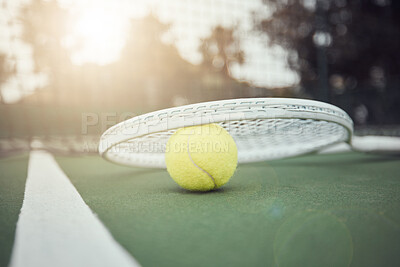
(56, 227)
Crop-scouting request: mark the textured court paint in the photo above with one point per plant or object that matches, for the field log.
(12, 184)
(345, 207)
(56, 227)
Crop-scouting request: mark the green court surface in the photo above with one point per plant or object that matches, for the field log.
(319, 210)
(13, 173)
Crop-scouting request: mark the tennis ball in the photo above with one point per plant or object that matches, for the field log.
(201, 158)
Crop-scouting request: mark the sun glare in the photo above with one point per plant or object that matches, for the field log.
(101, 34)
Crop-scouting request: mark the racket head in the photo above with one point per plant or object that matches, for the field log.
(263, 129)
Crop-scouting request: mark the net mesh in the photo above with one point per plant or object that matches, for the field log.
(70, 69)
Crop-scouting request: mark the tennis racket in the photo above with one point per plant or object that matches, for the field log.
(263, 129)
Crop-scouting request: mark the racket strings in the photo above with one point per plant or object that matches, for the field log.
(256, 139)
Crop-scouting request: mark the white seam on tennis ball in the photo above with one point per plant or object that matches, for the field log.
(190, 157)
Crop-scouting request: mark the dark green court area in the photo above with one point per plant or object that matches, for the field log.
(319, 210)
(13, 172)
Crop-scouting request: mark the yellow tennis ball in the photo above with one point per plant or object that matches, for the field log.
(201, 158)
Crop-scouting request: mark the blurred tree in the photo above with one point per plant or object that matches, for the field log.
(6, 71)
(221, 49)
(149, 74)
(152, 70)
(147, 53)
(44, 27)
(345, 52)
